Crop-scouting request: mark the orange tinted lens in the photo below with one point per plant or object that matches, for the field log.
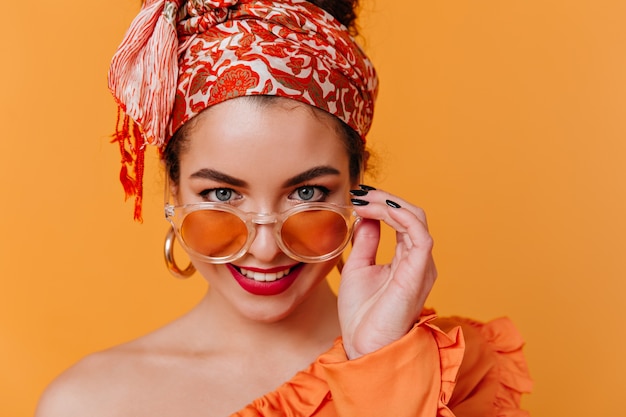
(314, 233)
(214, 233)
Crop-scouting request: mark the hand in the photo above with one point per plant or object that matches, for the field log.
(379, 304)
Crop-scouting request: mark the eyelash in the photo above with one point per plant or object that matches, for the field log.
(324, 190)
(204, 194)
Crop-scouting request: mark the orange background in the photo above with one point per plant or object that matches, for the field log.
(503, 119)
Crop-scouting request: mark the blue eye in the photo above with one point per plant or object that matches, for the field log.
(218, 194)
(306, 193)
(223, 194)
(310, 193)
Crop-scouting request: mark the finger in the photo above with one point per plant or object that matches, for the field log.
(383, 197)
(412, 231)
(378, 204)
(408, 223)
(364, 244)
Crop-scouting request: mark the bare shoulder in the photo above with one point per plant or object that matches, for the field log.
(91, 387)
(149, 376)
(109, 383)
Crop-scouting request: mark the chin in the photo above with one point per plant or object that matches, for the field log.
(303, 289)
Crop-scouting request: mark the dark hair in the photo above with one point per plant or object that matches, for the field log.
(345, 12)
(342, 10)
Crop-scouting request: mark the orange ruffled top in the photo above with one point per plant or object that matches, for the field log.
(441, 368)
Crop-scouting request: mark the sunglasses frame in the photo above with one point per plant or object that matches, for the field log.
(176, 216)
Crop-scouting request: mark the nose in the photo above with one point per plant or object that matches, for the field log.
(264, 247)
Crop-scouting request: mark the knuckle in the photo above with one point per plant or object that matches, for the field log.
(428, 242)
(420, 213)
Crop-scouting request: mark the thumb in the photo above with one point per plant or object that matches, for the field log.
(364, 244)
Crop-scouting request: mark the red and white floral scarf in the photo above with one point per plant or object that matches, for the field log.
(180, 57)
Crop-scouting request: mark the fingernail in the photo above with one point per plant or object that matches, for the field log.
(359, 202)
(366, 187)
(392, 204)
(359, 193)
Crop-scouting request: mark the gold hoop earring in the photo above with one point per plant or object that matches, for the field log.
(168, 251)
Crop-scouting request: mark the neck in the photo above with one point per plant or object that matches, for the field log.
(311, 326)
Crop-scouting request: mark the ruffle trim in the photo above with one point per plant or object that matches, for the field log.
(304, 394)
(299, 397)
(510, 369)
(451, 348)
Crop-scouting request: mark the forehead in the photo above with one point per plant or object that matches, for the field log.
(250, 138)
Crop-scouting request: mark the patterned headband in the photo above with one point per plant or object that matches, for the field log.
(180, 57)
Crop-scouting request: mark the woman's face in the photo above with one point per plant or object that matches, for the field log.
(264, 157)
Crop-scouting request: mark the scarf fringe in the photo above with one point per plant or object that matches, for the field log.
(144, 70)
(142, 78)
(132, 150)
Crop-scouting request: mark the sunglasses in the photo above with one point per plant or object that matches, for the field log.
(220, 233)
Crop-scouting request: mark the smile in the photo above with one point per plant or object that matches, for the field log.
(265, 281)
(264, 276)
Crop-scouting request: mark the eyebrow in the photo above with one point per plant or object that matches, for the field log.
(310, 174)
(217, 176)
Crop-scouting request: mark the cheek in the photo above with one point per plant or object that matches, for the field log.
(321, 270)
(216, 275)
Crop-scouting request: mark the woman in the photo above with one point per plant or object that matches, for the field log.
(261, 109)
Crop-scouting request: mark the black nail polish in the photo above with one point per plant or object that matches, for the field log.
(359, 202)
(392, 204)
(359, 193)
(366, 187)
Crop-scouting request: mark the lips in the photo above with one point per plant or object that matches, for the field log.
(264, 276)
(267, 281)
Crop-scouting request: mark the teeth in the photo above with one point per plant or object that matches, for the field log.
(262, 277)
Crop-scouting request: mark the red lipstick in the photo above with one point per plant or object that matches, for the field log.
(265, 287)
